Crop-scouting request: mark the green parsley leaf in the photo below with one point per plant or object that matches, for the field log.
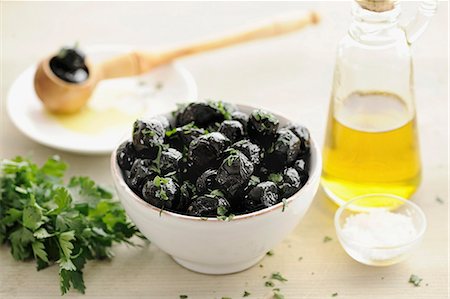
(334, 295)
(284, 205)
(39, 250)
(415, 280)
(221, 210)
(184, 296)
(20, 239)
(277, 295)
(327, 239)
(217, 192)
(276, 177)
(32, 216)
(278, 276)
(269, 284)
(254, 180)
(246, 294)
(270, 253)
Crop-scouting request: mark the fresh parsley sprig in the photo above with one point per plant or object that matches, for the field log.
(42, 218)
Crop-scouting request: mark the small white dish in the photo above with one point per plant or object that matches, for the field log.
(111, 111)
(359, 244)
(214, 246)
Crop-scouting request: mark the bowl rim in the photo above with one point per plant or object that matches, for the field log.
(314, 175)
(405, 201)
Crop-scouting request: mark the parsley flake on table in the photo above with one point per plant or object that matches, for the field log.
(246, 294)
(415, 280)
(278, 276)
(270, 253)
(269, 284)
(44, 219)
(439, 200)
(277, 295)
(334, 294)
(327, 239)
(184, 296)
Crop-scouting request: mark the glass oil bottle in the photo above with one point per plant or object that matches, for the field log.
(371, 143)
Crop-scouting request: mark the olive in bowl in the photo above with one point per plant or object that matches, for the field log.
(222, 216)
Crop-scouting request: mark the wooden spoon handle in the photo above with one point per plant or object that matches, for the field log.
(136, 63)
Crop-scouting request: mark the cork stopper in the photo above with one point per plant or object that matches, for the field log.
(377, 5)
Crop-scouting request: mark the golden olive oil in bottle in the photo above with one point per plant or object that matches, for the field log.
(371, 143)
(371, 147)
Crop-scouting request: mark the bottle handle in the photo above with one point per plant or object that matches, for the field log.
(419, 23)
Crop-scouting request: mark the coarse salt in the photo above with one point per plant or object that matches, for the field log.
(379, 228)
(379, 236)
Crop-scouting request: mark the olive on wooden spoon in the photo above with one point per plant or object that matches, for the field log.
(65, 82)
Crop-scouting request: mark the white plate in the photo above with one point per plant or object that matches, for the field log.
(110, 112)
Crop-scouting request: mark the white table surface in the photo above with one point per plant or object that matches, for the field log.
(290, 74)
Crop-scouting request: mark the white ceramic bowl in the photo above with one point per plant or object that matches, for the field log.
(214, 246)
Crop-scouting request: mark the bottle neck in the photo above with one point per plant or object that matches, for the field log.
(375, 28)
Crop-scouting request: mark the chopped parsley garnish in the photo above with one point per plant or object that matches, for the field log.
(334, 294)
(269, 284)
(277, 295)
(415, 280)
(226, 218)
(284, 205)
(246, 294)
(217, 192)
(439, 200)
(278, 276)
(276, 177)
(327, 239)
(254, 180)
(184, 296)
(270, 253)
(221, 210)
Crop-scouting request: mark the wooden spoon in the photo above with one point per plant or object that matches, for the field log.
(60, 96)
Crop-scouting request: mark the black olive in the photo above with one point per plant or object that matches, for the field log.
(234, 172)
(262, 196)
(148, 136)
(126, 155)
(169, 161)
(181, 137)
(187, 193)
(160, 192)
(69, 65)
(284, 150)
(262, 127)
(139, 173)
(240, 117)
(206, 151)
(207, 181)
(164, 121)
(302, 133)
(237, 201)
(232, 129)
(291, 183)
(302, 168)
(201, 114)
(250, 150)
(207, 206)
